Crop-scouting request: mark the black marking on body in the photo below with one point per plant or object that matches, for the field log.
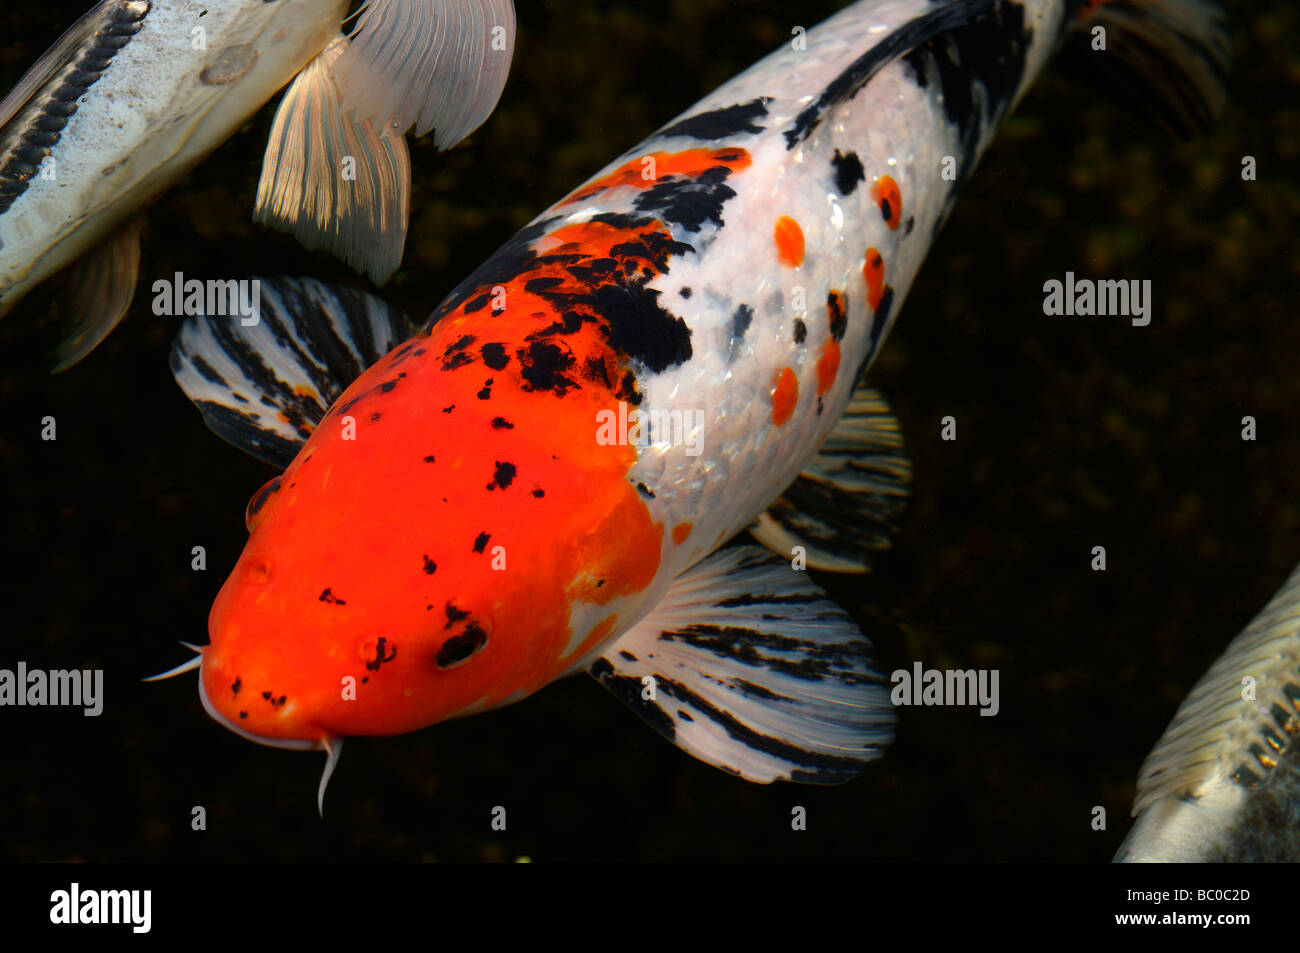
(720, 123)
(486, 392)
(740, 322)
(917, 32)
(329, 597)
(430, 567)
(503, 476)
(430, 459)
(545, 367)
(990, 53)
(31, 135)
(495, 356)
(686, 293)
(628, 655)
(645, 491)
(459, 648)
(595, 371)
(800, 331)
(689, 201)
(276, 703)
(236, 686)
(848, 171)
(455, 615)
(798, 658)
(837, 307)
(481, 541)
(383, 653)
(538, 492)
(500, 423)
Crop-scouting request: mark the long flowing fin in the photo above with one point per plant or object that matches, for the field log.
(755, 672)
(336, 182)
(847, 505)
(101, 285)
(431, 64)
(264, 387)
(1168, 58)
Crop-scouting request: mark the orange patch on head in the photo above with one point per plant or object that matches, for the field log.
(828, 366)
(885, 194)
(681, 531)
(873, 269)
(784, 396)
(789, 241)
(639, 173)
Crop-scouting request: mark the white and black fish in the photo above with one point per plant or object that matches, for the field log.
(137, 92)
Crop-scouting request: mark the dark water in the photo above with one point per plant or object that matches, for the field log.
(1073, 433)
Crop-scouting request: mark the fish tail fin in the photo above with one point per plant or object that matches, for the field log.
(431, 64)
(1172, 53)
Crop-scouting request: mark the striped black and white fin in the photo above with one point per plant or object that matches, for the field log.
(755, 672)
(1232, 749)
(264, 387)
(334, 181)
(1168, 58)
(431, 64)
(848, 504)
(100, 286)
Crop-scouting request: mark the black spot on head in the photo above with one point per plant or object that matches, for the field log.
(375, 416)
(459, 648)
(481, 541)
(454, 615)
(430, 566)
(503, 477)
(243, 714)
(430, 459)
(800, 331)
(459, 345)
(447, 410)
(456, 360)
(848, 171)
(500, 423)
(328, 596)
(383, 653)
(595, 371)
(495, 356)
(539, 492)
(486, 392)
(544, 367)
(234, 689)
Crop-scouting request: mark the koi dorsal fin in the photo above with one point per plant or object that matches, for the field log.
(755, 672)
(848, 503)
(265, 385)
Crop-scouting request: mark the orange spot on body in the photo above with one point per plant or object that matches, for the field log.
(689, 164)
(886, 195)
(828, 366)
(681, 531)
(873, 269)
(789, 241)
(784, 396)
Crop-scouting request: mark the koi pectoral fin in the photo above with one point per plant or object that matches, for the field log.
(263, 382)
(747, 666)
(335, 181)
(100, 286)
(847, 505)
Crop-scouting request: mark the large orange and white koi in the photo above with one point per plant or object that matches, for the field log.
(539, 481)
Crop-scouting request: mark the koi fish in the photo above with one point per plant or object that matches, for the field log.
(137, 92)
(540, 480)
(1223, 781)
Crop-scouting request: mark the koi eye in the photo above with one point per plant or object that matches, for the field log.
(459, 648)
